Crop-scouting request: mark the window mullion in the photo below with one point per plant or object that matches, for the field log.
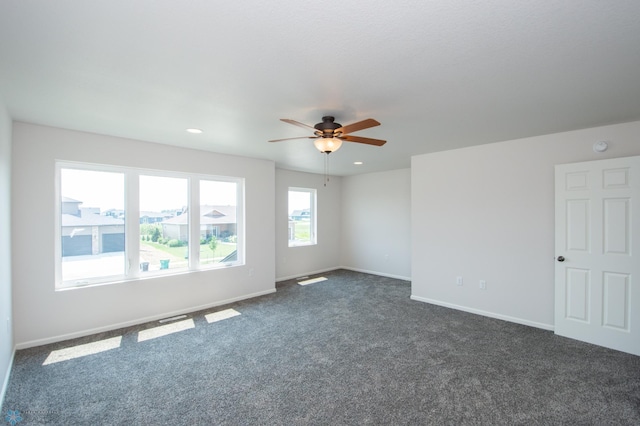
(132, 224)
(194, 223)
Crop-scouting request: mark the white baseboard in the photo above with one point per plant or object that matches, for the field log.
(7, 374)
(364, 271)
(46, 341)
(304, 274)
(382, 274)
(521, 321)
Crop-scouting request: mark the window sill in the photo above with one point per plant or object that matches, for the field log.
(148, 276)
(302, 244)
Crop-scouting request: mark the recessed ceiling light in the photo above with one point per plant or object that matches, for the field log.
(194, 131)
(357, 163)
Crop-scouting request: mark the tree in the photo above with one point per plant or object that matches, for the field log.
(213, 244)
(155, 235)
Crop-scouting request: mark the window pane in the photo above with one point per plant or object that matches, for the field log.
(301, 217)
(92, 225)
(218, 222)
(164, 224)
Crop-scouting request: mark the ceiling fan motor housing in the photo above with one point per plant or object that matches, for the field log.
(327, 127)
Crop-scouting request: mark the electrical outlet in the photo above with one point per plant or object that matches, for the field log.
(386, 257)
(459, 280)
(483, 285)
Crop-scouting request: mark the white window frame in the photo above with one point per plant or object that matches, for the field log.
(313, 195)
(132, 226)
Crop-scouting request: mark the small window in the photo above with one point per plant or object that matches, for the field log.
(302, 216)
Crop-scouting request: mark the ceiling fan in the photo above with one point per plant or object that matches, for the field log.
(329, 135)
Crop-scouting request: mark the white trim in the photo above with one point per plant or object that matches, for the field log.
(304, 274)
(89, 332)
(5, 385)
(382, 274)
(521, 321)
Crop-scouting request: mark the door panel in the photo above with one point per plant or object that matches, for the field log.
(578, 225)
(578, 289)
(616, 226)
(616, 301)
(598, 236)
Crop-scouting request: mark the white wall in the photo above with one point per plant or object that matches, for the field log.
(6, 325)
(487, 213)
(42, 314)
(294, 262)
(376, 223)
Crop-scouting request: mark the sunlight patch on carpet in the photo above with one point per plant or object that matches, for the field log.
(164, 330)
(222, 315)
(82, 350)
(312, 280)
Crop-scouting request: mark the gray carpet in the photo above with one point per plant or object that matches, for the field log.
(350, 350)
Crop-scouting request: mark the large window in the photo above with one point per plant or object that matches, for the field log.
(302, 216)
(91, 225)
(164, 223)
(118, 224)
(218, 224)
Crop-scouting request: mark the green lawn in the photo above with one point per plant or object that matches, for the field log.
(222, 250)
(302, 232)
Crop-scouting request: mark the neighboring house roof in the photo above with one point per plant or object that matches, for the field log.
(211, 215)
(69, 200)
(89, 220)
(305, 212)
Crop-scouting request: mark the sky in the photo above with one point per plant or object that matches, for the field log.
(106, 190)
(298, 201)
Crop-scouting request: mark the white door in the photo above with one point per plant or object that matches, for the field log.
(597, 250)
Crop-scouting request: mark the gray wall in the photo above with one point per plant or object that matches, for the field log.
(292, 262)
(42, 315)
(6, 324)
(363, 224)
(487, 213)
(376, 223)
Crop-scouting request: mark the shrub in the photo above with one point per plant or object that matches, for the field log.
(175, 243)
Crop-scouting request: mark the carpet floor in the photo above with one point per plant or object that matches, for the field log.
(351, 350)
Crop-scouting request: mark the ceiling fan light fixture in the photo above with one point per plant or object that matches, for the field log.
(327, 145)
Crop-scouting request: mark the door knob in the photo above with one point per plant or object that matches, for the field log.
(560, 258)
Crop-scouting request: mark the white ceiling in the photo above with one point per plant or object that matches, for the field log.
(437, 74)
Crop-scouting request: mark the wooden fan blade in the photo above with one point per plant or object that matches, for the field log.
(360, 125)
(297, 123)
(360, 139)
(299, 137)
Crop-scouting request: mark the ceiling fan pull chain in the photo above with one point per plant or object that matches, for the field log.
(326, 168)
